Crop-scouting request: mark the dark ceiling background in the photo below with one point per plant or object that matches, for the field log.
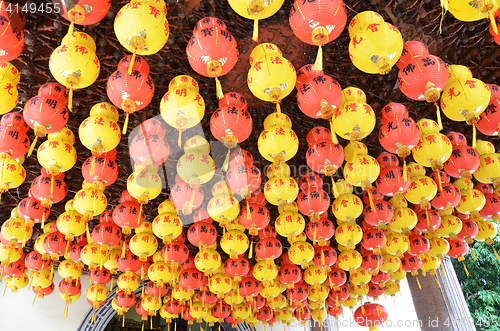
(463, 43)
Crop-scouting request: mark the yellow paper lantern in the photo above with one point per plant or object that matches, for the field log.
(160, 273)
(391, 288)
(301, 253)
(99, 133)
(284, 315)
(71, 224)
(110, 264)
(42, 278)
(318, 293)
(182, 107)
(278, 143)
(69, 270)
(487, 231)
(349, 259)
(432, 150)
(94, 255)
(97, 293)
(271, 77)
(128, 282)
(195, 168)
(290, 224)
(281, 189)
(489, 169)
(465, 99)
(255, 10)
(240, 311)
(9, 78)
(375, 45)
(223, 208)
(143, 245)
(12, 175)
(397, 244)
(167, 226)
(220, 284)
(359, 290)
(270, 290)
(403, 219)
(56, 156)
(90, 202)
(422, 190)
(359, 276)
(439, 247)
(144, 185)
(151, 303)
(429, 264)
(472, 11)
(207, 261)
(354, 119)
(234, 243)
(450, 225)
(362, 171)
(315, 275)
(265, 271)
(348, 234)
(347, 207)
(471, 202)
(142, 27)
(17, 283)
(16, 231)
(391, 263)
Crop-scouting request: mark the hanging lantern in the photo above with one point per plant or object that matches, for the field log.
(271, 77)
(13, 33)
(320, 232)
(182, 107)
(278, 143)
(142, 27)
(144, 185)
(208, 260)
(196, 168)
(355, 119)
(234, 243)
(75, 65)
(9, 78)
(86, 12)
(12, 175)
(129, 89)
(103, 173)
(90, 203)
(212, 50)
(56, 156)
(375, 45)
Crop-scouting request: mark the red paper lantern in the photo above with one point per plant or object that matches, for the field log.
(392, 110)
(125, 300)
(237, 268)
(371, 261)
(174, 307)
(268, 231)
(45, 114)
(156, 290)
(387, 159)
(423, 78)
(324, 257)
(107, 234)
(231, 123)
(399, 135)
(371, 315)
(31, 209)
(418, 245)
(42, 292)
(56, 245)
(374, 290)
(128, 215)
(190, 279)
(375, 193)
(99, 276)
(14, 142)
(458, 249)
(70, 287)
(12, 35)
(488, 122)
(463, 162)
(268, 248)
(186, 198)
(254, 217)
(100, 169)
(374, 239)
(320, 231)
(491, 209)
(240, 156)
(381, 215)
(335, 311)
(221, 310)
(381, 278)
(299, 292)
(290, 274)
(249, 287)
(75, 251)
(448, 197)
(325, 157)
(48, 190)
(313, 202)
(336, 277)
(427, 220)
(337, 295)
(202, 234)
(128, 262)
(150, 147)
(175, 252)
(469, 230)
(391, 181)
(319, 95)
(264, 314)
(411, 263)
(411, 49)
(212, 51)
(243, 178)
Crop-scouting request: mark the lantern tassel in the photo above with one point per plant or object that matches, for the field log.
(67, 247)
(473, 253)
(111, 286)
(151, 322)
(218, 89)
(492, 21)
(52, 185)
(225, 165)
(34, 299)
(418, 283)
(255, 36)
(438, 114)
(142, 326)
(318, 64)
(92, 167)
(437, 281)
(179, 141)
(123, 250)
(250, 253)
(496, 254)
(249, 214)
(43, 218)
(427, 217)
(334, 135)
(323, 263)
(405, 170)
(442, 270)
(334, 189)
(278, 108)
(123, 321)
(125, 125)
(70, 99)
(373, 328)
(32, 147)
(370, 197)
(465, 268)
(444, 10)
(131, 66)
(474, 135)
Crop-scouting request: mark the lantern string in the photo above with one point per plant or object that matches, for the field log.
(123, 250)
(92, 167)
(318, 63)
(32, 147)
(71, 28)
(125, 125)
(278, 107)
(465, 268)
(474, 134)
(151, 322)
(370, 197)
(250, 253)
(43, 218)
(444, 10)
(492, 21)
(249, 214)
(218, 89)
(438, 114)
(473, 253)
(332, 131)
(440, 185)
(111, 286)
(255, 36)
(88, 231)
(437, 281)
(405, 170)
(442, 270)
(427, 217)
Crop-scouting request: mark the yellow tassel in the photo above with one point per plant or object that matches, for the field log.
(67, 247)
(179, 141)
(123, 320)
(442, 270)
(218, 89)
(70, 99)
(473, 254)
(92, 167)
(492, 21)
(438, 113)
(5, 289)
(225, 165)
(437, 281)
(175, 325)
(473, 135)
(334, 135)
(52, 185)
(363, 309)
(123, 250)
(71, 28)
(315, 235)
(278, 108)
(334, 188)
(496, 254)
(111, 286)
(142, 326)
(440, 185)
(255, 36)
(318, 64)
(132, 62)
(370, 197)
(418, 282)
(444, 10)
(88, 232)
(427, 217)
(323, 263)
(125, 125)
(249, 214)
(34, 299)
(405, 170)
(465, 268)
(250, 254)
(32, 147)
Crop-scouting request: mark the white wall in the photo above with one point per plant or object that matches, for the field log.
(18, 313)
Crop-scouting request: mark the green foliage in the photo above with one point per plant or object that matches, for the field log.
(482, 288)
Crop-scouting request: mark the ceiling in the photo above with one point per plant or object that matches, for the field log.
(462, 43)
